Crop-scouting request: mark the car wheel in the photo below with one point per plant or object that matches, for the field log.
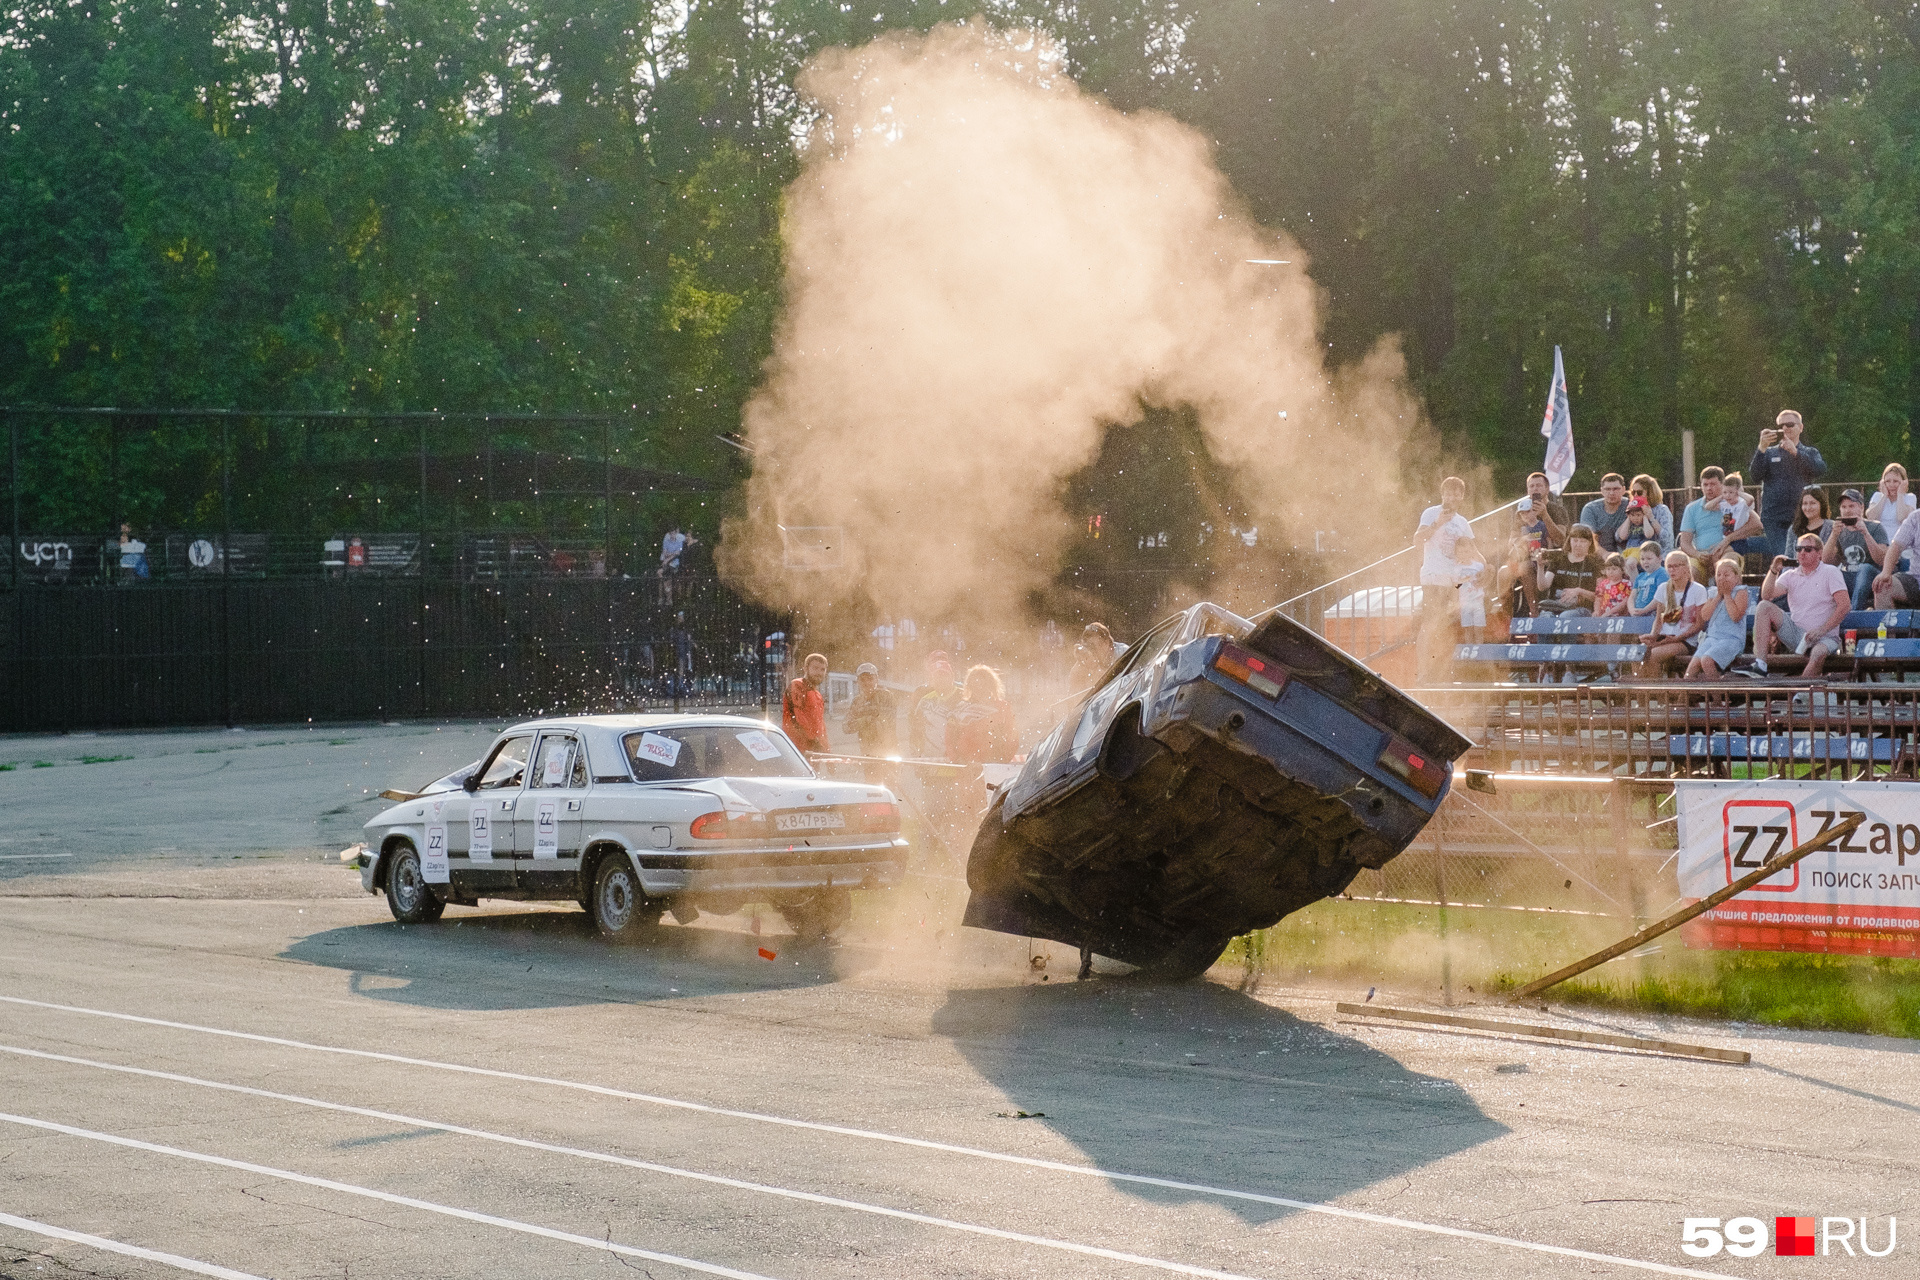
(619, 906)
(1187, 959)
(408, 896)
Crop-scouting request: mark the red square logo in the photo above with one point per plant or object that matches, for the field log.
(1751, 831)
(1793, 1237)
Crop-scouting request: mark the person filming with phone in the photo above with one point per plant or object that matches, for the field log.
(1855, 549)
(1785, 465)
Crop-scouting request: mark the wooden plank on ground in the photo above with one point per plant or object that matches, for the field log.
(1738, 1057)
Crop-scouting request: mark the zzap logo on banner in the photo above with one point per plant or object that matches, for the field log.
(1860, 896)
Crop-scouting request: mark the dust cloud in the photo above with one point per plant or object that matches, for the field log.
(987, 268)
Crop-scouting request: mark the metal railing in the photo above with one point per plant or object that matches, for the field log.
(1731, 729)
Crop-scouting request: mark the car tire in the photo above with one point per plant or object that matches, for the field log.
(408, 896)
(1187, 959)
(619, 905)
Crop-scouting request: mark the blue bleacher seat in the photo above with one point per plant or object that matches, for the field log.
(1798, 746)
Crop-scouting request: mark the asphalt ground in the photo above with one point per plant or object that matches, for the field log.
(218, 1057)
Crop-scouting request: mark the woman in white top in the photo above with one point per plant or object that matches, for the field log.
(1891, 503)
(1678, 617)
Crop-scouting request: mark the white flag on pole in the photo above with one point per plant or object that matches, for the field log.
(1557, 427)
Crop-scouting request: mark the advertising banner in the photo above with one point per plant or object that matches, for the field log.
(1860, 897)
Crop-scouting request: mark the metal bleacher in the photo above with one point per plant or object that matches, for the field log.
(1586, 649)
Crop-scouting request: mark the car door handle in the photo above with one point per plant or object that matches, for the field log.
(506, 804)
(573, 806)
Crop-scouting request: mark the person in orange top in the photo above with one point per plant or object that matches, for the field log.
(980, 730)
(803, 712)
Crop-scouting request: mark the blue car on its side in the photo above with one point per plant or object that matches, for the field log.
(1220, 776)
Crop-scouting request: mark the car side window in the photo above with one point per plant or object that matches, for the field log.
(508, 766)
(579, 778)
(553, 764)
(1150, 647)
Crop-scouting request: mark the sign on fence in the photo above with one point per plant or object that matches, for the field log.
(1861, 897)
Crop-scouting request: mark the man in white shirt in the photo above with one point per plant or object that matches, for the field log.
(1816, 597)
(1448, 557)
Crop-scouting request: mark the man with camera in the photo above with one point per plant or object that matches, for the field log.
(1854, 548)
(1785, 465)
(1539, 526)
(1816, 597)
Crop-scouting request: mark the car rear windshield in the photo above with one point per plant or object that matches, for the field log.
(712, 751)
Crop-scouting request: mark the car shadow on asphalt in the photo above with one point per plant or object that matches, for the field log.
(1200, 1083)
(543, 959)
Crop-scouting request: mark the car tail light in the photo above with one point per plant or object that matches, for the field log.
(1423, 773)
(880, 818)
(1262, 675)
(710, 826)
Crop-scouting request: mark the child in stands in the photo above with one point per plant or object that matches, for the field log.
(1647, 582)
(1614, 596)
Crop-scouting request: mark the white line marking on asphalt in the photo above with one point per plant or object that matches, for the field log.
(130, 1250)
(925, 1144)
(649, 1166)
(21, 857)
(328, 1184)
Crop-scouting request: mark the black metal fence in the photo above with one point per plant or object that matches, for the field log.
(277, 651)
(208, 566)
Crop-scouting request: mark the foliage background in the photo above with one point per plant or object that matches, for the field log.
(549, 205)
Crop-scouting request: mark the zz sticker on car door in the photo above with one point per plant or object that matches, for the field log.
(433, 858)
(546, 830)
(480, 843)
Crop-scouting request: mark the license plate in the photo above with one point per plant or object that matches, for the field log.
(809, 821)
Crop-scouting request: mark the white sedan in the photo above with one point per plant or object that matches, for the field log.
(633, 816)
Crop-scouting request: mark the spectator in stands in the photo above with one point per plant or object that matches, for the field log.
(1613, 595)
(1724, 637)
(1891, 504)
(1540, 517)
(1677, 617)
(1812, 517)
(1571, 575)
(1517, 585)
(1894, 587)
(1647, 582)
(1712, 521)
(980, 730)
(1744, 515)
(1606, 513)
(1816, 598)
(803, 711)
(1783, 466)
(1649, 519)
(1855, 549)
(1447, 546)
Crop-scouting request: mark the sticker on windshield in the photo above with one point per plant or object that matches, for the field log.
(757, 745)
(480, 844)
(659, 748)
(546, 830)
(433, 858)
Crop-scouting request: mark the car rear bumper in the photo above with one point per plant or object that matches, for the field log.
(667, 872)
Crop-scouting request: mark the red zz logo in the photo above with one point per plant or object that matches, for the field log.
(1751, 831)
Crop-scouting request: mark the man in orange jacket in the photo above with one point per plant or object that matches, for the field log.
(803, 712)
